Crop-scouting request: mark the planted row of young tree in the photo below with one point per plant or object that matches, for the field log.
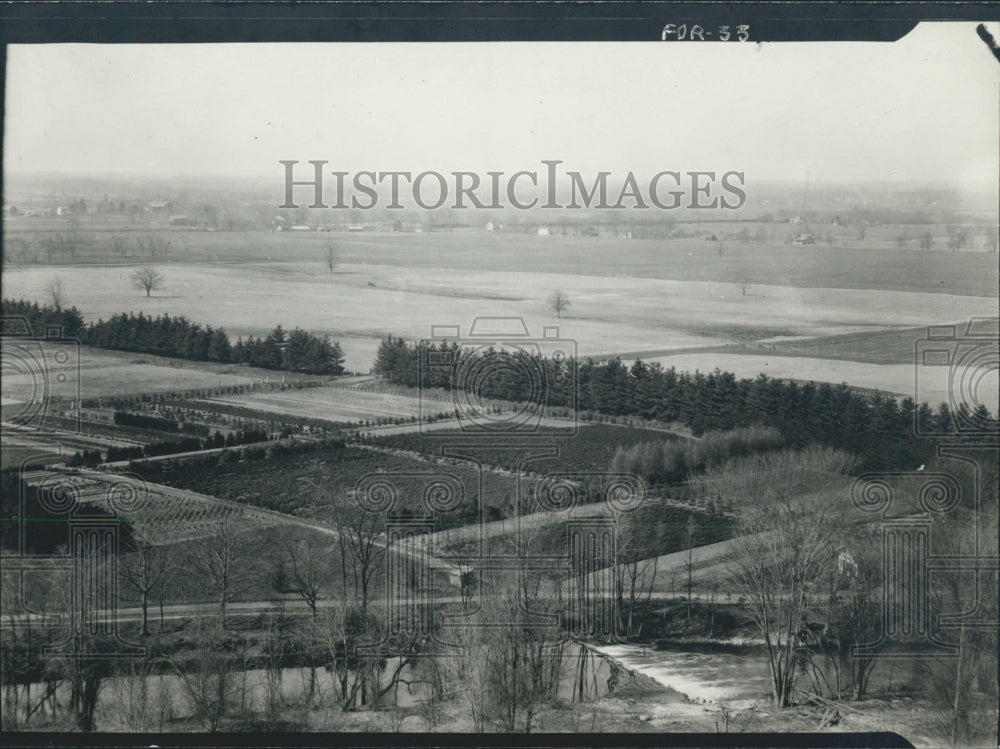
(169, 447)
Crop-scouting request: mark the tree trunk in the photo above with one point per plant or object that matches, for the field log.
(960, 715)
(88, 703)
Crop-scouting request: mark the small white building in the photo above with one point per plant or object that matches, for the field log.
(543, 231)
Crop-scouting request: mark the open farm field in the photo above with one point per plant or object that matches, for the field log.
(340, 404)
(335, 404)
(884, 347)
(34, 369)
(360, 304)
(925, 384)
(878, 347)
(850, 264)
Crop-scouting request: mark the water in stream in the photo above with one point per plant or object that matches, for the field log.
(584, 676)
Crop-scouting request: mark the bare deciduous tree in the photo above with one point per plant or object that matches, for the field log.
(147, 279)
(82, 663)
(635, 574)
(508, 664)
(358, 532)
(558, 302)
(56, 292)
(306, 566)
(330, 256)
(689, 562)
(783, 549)
(856, 614)
(154, 246)
(211, 683)
(955, 682)
(130, 691)
(338, 518)
(220, 558)
(359, 654)
(142, 568)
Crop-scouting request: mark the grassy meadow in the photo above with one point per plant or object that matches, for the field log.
(676, 298)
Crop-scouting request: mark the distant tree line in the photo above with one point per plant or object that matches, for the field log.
(874, 426)
(297, 351)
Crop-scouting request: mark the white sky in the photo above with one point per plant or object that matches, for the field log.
(922, 109)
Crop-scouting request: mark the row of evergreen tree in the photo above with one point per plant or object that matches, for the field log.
(884, 432)
(32, 319)
(163, 336)
(295, 351)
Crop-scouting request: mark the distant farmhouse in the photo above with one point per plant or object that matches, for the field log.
(804, 239)
(407, 226)
(181, 219)
(159, 206)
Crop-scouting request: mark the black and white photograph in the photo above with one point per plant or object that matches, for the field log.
(480, 384)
